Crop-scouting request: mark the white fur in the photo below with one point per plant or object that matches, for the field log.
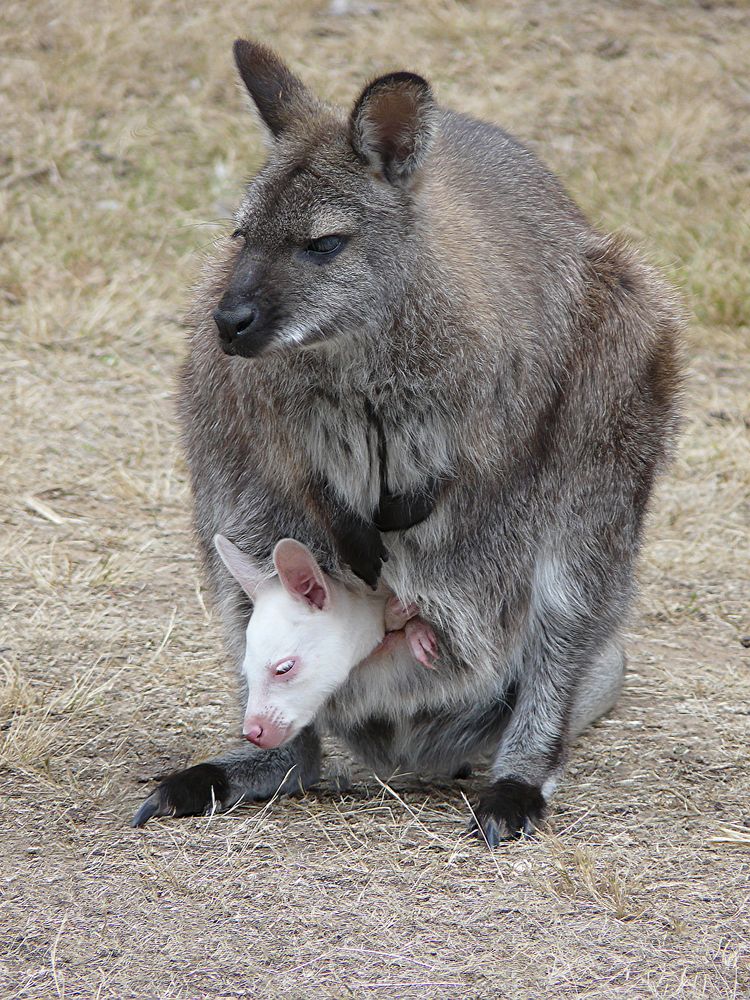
(297, 333)
(555, 589)
(328, 643)
(302, 615)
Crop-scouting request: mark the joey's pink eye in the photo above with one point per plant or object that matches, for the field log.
(284, 667)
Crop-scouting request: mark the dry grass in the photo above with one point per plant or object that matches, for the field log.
(124, 147)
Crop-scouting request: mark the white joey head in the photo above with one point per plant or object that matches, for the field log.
(305, 635)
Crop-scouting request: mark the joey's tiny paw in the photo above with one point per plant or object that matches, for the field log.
(509, 809)
(191, 792)
(397, 614)
(422, 642)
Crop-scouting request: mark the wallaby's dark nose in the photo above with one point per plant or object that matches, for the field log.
(236, 322)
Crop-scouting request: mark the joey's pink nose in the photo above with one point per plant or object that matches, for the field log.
(264, 733)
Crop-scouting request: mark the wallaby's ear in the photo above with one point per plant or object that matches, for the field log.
(281, 98)
(240, 565)
(393, 124)
(300, 574)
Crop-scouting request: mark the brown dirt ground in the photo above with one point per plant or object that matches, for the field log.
(124, 146)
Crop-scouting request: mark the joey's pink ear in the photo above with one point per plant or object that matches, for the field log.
(300, 574)
(240, 565)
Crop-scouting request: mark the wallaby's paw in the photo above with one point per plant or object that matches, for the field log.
(191, 792)
(509, 809)
(364, 552)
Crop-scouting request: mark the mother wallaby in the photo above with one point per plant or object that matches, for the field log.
(415, 356)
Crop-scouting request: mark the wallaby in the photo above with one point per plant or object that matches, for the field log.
(433, 372)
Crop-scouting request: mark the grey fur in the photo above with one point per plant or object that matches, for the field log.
(511, 354)
(290, 768)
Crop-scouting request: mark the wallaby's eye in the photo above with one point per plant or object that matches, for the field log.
(325, 246)
(237, 234)
(284, 667)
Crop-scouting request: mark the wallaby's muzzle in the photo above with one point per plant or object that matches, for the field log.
(241, 328)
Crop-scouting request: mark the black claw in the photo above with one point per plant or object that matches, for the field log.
(493, 835)
(148, 810)
(509, 810)
(191, 792)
